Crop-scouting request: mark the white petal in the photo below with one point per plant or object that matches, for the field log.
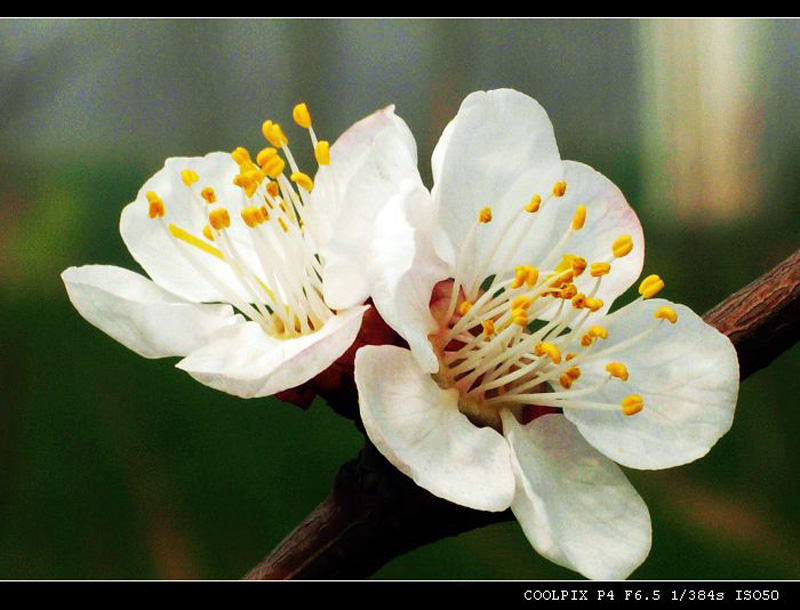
(247, 362)
(608, 216)
(576, 506)
(347, 156)
(160, 254)
(139, 314)
(418, 427)
(688, 376)
(499, 151)
(404, 268)
(388, 164)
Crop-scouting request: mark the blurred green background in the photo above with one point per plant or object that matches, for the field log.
(113, 466)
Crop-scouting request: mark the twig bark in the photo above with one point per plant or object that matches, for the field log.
(375, 513)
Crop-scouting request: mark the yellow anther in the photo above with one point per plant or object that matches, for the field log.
(520, 317)
(622, 246)
(464, 308)
(301, 116)
(265, 154)
(209, 195)
(274, 167)
(155, 206)
(563, 279)
(651, 286)
(488, 328)
(578, 265)
(274, 189)
(322, 152)
(189, 177)
(570, 356)
(521, 302)
(534, 204)
(252, 216)
(548, 349)
(485, 215)
(219, 218)
(599, 269)
(264, 213)
(241, 156)
(586, 340)
(565, 381)
(274, 134)
(632, 404)
(283, 225)
(579, 219)
(574, 373)
(618, 370)
(208, 233)
(571, 261)
(531, 275)
(302, 180)
(559, 189)
(666, 313)
(598, 332)
(579, 301)
(568, 292)
(593, 304)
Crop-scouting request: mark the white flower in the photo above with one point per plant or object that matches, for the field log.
(520, 389)
(255, 276)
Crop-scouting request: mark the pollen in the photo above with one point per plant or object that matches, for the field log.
(565, 381)
(579, 301)
(209, 195)
(302, 180)
(559, 189)
(579, 219)
(666, 313)
(155, 205)
(322, 152)
(252, 216)
(219, 219)
(189, 177)
(622, 246)
(521, 302)
(241, 156)
(274, 134)
(550, 350)
(301, 116)
(488, 328)
(274, 167)
(598, 332)
(534, 204)
(464, 308)
(618, 370)
(600, 269)
(632, 404)
(265, 154)
(485, 215)
(593, 304)
(651, 286)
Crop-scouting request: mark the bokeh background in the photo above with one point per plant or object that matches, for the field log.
(113, 466)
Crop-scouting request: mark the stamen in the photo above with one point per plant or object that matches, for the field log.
(600, 269)
(559, 189)
(666, 313)
(622, 246)
(302, 180)
(650, 286)
(322, 152)
(549, 349)
(485, 215)
(156, 206)
(190, 239)
(618, 370)
(534, 204)
(274, 134)
(189, 177)
(209, 195)
(301, 116)
(632, 404)
(579, 218)
(219, 219)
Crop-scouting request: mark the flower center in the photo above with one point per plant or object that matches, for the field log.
(276, 271)
(518, 339)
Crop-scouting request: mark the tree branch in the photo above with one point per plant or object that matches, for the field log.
(376, 513)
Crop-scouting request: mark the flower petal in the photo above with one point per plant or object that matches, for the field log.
(139, 314)
(247, 362)
(418, 427)
(576, 506)
(404, 268)
(164, 258)
(382, 168)
(687, 374)
(499, 151)
(608, 216)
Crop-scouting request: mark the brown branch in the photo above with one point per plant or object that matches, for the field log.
(375, 513)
